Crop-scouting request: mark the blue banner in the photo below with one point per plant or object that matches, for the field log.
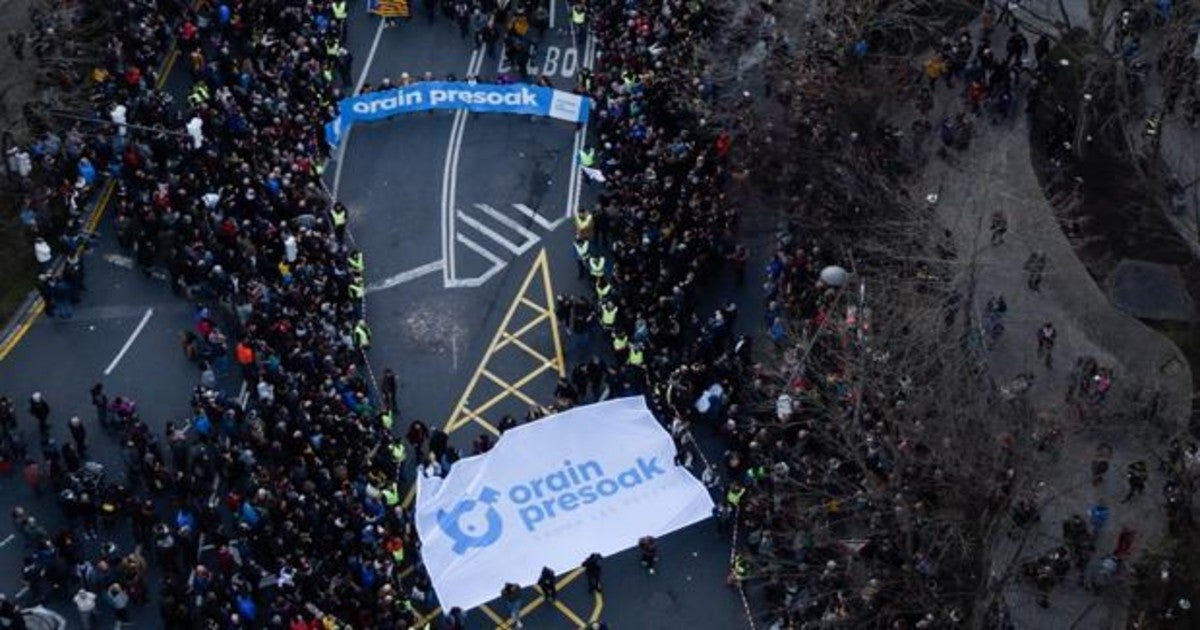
(518, 98)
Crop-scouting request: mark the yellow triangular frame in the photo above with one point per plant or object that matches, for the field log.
(542, 304)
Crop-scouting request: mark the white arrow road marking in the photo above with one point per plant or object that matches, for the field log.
(497, 265)
(407, 276)
(509, 223)
(538, 218)
(490, 233)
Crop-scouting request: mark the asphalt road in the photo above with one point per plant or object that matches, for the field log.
(449, 243)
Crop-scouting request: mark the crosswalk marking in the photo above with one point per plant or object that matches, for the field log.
(538, 218)
(497, 265)
(512, 225)
(505, 226)
(492, 234)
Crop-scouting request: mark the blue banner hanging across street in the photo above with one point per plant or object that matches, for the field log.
(518, 98)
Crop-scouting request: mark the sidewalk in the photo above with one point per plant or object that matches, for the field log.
(995, 173)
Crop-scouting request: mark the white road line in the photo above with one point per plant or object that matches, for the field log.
(450, 180)
(407, 276)
(574, 184)
(553, 12)
(538, 218)
(509, 223)
(447, 217)
(4, 543)
(362, 77)
(570, 22)
(362, 80)
(490, 233)
(497, 265)
(129, 342)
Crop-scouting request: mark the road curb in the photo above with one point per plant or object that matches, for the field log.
(33, 305)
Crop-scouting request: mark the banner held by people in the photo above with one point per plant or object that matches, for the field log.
(593, 479)
(514, 98)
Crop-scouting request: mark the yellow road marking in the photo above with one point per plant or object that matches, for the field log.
(570, 614)
(534, 305)
(530, 351)
(475, 412)
(454, 423)
(508, 337)
(500, 621)
(23, 327)
(599, 606)
(509, 388)
(167, 67)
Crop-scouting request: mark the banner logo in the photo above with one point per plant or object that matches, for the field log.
(468, 535)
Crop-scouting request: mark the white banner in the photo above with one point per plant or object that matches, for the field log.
(591, 479)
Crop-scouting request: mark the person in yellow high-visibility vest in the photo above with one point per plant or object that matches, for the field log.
(620, 344)
(739, 570)
(734, 495)
(355, 262)
(391, 495)
(362, 335)
(596, 265)
(579, 23)
(637, 356)
(604, 288)
(398, 451)
(339, 10)
(587, 157)
(198, 95)
(608, 314)
(338, 216)
(582, 249)
(358, 288)
(585, 223)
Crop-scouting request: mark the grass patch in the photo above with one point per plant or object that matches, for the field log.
(18, 270)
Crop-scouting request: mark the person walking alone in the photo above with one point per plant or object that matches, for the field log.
(388, 386)
(511, 594)
(648, 547)
(592, 570)
(548, 584)
(1136, 475)
(1045, 343)
(999, 227)
(78, 434)
(1036, 266)
(40, 409)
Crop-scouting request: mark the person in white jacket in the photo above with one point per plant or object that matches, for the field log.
(85, 602)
